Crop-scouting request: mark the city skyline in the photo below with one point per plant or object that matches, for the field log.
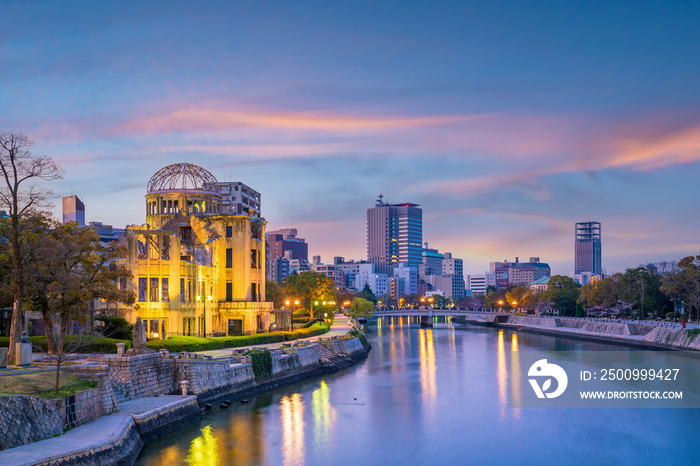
(505, 136)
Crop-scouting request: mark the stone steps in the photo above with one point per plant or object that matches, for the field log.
(335, 361)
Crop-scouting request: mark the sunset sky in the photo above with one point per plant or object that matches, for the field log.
(507, 121)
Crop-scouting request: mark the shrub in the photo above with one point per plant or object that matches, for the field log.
(91, 344)
(670, 315)
(115, 327)
(182, 343)
(357, 334)
(262, 363)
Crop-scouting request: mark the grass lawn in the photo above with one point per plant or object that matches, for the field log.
(41, 384)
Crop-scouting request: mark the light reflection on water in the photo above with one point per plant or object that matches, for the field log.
(429, 396)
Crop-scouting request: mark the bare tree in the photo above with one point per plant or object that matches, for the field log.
(19, 168)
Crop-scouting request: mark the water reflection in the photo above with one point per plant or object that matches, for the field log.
(515, 374)
(427, 367)
(324, 414)
(292, 415)
(204, 450)
(501, 374)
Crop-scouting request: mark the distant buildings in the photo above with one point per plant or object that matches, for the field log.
(519, 273)
(73, 210)
(239, 199)
(394, 235)
(478, 283)
(587, 248)
(286, 240)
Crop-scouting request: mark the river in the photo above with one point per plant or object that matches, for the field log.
(429, 396)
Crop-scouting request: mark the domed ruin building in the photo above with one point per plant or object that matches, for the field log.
(196, 270)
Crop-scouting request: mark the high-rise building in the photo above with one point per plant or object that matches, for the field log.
(284, 240)
(522, 273)
(239, 199)
(587, 249)
(73, 210)
(394, 235)
(455, 269)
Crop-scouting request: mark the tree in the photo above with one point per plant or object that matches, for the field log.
(309, 286)
(274, 293)
(19, 167)
(641, 286)
(367, 294)
(73, 268)
(691, 282)
(517, 295)
(361, 307)
(562, 292)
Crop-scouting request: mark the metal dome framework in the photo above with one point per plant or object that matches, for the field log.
(182, 177)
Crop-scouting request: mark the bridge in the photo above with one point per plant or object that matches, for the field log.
(426, 315)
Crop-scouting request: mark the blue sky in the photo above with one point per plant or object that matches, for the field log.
(507, 121)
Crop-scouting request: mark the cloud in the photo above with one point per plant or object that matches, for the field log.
(206, 120)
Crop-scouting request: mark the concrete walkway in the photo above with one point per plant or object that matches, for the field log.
(96, 434)
(103, 432)
(341, 326)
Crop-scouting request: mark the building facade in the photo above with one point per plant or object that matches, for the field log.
(286, 241)
(73, 210)
(587, 248)
(239, 199)
(196, 270)
(394, 235)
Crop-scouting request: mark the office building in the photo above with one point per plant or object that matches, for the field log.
(286, 240)
(478, 283)
(73, 210)
(239, 199)
(587, 248)
(454, 268)
(522, 273)
(394, 235)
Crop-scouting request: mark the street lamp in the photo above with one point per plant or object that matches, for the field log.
(500, 303)
(204, 300)
(514, 303)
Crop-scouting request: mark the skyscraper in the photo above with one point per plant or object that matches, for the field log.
(587, 249)
(73, 210)
(394, 235)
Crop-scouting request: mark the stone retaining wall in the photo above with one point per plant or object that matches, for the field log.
(350, 347)
(672, 337)
(26, 419)
(157, 423)
(142, 375)
(533, 321)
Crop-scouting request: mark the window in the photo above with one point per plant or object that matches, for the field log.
(229, 231)
(165, 292)
(143, 286)
(182, 291)
(254, 259)
(154, 290)
(122, 284)
(229, 291)
(229, 258)
(253, 291)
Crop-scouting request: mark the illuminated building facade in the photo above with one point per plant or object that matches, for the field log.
(196, 270)
(394, 235)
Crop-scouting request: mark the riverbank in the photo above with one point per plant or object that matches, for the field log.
(639, 335)
(152, 413)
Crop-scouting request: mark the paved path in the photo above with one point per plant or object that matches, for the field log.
(101, 432)
(95, 434)
(341, 325)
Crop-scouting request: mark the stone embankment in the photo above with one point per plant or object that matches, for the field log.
(146, 380)
(633, 334)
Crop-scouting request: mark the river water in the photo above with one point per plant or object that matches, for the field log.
(429, 396)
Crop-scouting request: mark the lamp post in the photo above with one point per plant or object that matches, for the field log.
(500, 303)
(515, 303)
(204, 300)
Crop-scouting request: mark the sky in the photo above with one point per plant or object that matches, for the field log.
(507, 121)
